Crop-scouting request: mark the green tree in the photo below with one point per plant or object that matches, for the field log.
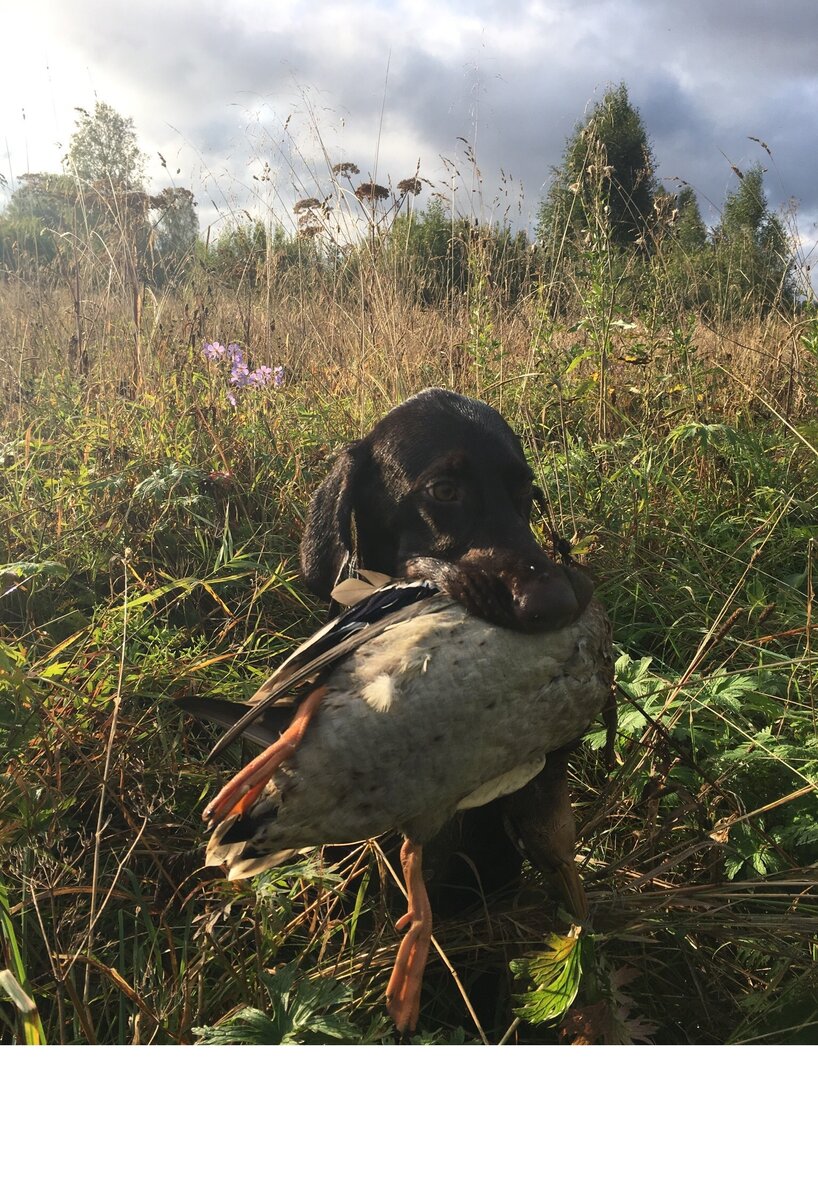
(39, 209)
(607, 177)
(103, 147)
(431, 250)
(240, 253)
(440, 255)
(99, 211)
(173, 233)
(754, 261)
(690, 231)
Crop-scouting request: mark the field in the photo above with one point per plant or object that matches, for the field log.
(150, 528)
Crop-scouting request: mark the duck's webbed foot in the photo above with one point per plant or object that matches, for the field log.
(239, 793)
(406, 981)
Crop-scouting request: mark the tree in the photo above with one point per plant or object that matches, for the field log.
(38, 211)
(607, 177)
(174, 233)
(101, 208)
(103, 148)
(754, 259)
(240, 253)
(691, 231)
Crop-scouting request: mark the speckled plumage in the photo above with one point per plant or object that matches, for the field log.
(436, 712)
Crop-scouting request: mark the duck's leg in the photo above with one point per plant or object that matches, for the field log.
(239, 793)
(543, 820)
(403, 991)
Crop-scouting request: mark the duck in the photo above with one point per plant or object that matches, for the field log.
(399, 713)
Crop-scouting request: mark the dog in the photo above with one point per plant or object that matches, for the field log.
(440, 488)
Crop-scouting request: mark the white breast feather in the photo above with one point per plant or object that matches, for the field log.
(379, 693)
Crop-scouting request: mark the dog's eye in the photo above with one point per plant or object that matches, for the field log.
(446, 491)
(525, 494)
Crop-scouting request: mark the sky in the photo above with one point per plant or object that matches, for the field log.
(220, 90)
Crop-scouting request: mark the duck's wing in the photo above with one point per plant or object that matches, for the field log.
(312, 661)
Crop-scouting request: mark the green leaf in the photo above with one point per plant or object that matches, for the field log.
(555, 974)
(302, 1010)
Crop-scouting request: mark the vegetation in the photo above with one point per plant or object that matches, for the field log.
(663, 378)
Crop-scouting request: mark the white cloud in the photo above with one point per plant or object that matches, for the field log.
(210, 86)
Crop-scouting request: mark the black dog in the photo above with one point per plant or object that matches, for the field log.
(442, 478)
(441, 488)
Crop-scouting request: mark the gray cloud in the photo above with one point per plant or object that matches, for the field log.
(512, 78)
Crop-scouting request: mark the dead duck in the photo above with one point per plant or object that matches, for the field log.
(396, 715)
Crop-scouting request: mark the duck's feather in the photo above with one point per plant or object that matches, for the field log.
(306, 666)
(267, 729)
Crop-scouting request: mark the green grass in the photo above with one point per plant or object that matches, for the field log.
(150, 537)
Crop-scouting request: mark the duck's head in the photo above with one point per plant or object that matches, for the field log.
(526, 591)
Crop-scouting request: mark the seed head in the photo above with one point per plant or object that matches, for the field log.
(371, 191)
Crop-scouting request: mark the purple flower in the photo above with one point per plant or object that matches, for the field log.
(240, 375)
(260, 377)
(213, 351)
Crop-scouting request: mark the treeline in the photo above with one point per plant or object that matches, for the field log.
(98, 210)
(606, 220)
(605, 205)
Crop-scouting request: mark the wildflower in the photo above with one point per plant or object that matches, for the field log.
(260, 377)
(213, 351)
(308, 225)
(240, 374)
(411, 186)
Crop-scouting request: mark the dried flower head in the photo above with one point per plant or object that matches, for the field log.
(410, 187)
(371, 191)
(303, 205)
(345, 168)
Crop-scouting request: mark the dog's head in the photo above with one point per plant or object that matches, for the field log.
(442, 479)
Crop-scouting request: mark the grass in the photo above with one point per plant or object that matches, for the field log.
(150, 535)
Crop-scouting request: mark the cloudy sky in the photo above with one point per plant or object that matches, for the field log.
(221, 89)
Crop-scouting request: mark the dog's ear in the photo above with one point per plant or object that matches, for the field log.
(328, 541)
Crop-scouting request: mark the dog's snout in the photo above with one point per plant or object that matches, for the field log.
(550, 599)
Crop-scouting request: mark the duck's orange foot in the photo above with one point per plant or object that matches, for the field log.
(239, 793)
(406, 981)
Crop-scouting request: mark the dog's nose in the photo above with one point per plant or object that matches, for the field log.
(550, 599)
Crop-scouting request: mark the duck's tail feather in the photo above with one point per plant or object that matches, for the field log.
(266, 729)
(229, 848)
